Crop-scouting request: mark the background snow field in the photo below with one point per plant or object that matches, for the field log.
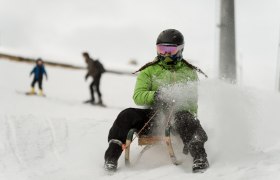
(58, 137)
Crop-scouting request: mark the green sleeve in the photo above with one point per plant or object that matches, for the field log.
(194, 107)
(143, 93)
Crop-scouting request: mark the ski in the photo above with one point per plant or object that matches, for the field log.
(30, 94)
(94, 104)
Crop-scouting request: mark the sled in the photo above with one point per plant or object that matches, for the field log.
(148, 140)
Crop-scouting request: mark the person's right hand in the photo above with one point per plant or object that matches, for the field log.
(159, 101)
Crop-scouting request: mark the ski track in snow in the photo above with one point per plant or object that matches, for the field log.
(59, 137)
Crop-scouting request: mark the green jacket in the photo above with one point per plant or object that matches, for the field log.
(159, 75)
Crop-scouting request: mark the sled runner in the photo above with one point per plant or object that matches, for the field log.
(148, 140)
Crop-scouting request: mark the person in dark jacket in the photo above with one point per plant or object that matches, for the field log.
(168, 69)
(38, 71)
(94, 69)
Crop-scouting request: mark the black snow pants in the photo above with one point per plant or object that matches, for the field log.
(40, 82)
(187, 126)
(95, 85)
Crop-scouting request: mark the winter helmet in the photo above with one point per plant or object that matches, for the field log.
(170, 36)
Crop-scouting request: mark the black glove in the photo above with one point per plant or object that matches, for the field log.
(159, 101)
(163, 101)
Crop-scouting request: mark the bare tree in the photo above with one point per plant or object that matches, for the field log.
(227, 55)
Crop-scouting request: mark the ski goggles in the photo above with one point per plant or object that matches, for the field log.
(170, 49)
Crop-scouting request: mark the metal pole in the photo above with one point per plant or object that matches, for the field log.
(227, 54)
(278, 66)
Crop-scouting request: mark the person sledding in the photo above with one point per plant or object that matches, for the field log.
(38, 71)
(167, 69)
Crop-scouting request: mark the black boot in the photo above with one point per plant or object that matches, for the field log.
(200, 162)
(111, 165)
(112, 155)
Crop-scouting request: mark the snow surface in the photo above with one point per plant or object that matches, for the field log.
(59, 137)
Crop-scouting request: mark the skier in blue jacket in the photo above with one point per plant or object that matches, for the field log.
(38, 71)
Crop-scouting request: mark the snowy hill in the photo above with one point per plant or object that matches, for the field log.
(59, 137)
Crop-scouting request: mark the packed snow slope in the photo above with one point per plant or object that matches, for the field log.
(58, 137)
